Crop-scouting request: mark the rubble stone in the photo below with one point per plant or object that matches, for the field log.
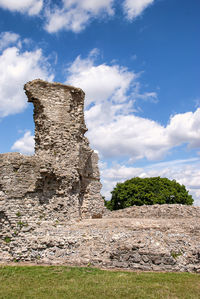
(51, 210)
(61, 181)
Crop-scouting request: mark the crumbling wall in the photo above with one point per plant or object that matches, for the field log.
(144, 241)
(61, 181)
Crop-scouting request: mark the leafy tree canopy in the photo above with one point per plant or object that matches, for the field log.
(148, 191)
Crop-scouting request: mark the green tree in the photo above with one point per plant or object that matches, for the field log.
(148, 191)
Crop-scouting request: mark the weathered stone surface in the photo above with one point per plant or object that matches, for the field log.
(61, 181)
(171, 211)
(47, 202)
(148, 244)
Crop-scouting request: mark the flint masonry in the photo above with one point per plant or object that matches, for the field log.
(61, 180)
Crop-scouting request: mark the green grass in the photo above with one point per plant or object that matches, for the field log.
(66, 282)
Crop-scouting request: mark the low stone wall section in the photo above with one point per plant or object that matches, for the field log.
(165, 211)
(130, 243)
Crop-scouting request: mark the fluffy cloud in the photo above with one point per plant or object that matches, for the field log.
(186, 172)
(135, 137)
(185, 128)
(16, 68)
(101, 82)
(7, 39)
(134, 8)
(114, 130)
(32, 7)
(24, 145)
(129, 136)
(74, 15)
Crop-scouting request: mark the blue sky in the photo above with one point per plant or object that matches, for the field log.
(138, 62)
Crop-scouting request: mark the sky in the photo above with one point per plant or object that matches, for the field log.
(138, 62)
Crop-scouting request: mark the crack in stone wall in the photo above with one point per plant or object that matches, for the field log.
(61, 180)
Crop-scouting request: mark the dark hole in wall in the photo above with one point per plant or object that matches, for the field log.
(3, 219)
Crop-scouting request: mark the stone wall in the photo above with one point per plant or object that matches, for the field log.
(165, 211)
(48, 202)
(143, 241)
(61, 181)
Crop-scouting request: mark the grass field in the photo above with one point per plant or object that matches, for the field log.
(66, 282)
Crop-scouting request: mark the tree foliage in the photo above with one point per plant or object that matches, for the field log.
(148, 191)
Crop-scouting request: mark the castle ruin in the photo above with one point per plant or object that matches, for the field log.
(50, 202)
(61, 180)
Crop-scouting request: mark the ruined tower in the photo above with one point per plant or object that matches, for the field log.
(61, 180)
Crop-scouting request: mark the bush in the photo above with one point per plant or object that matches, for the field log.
(148, 191)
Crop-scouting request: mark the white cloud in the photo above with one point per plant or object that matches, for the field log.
(32, 7)
(7, 39)
(134, 8)
(129, 136)
(25, 145)
(114, 130)
(74, 15)
(136, 137)
(186, 172)
(101, 82)
(16, 68)
(185, 128)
